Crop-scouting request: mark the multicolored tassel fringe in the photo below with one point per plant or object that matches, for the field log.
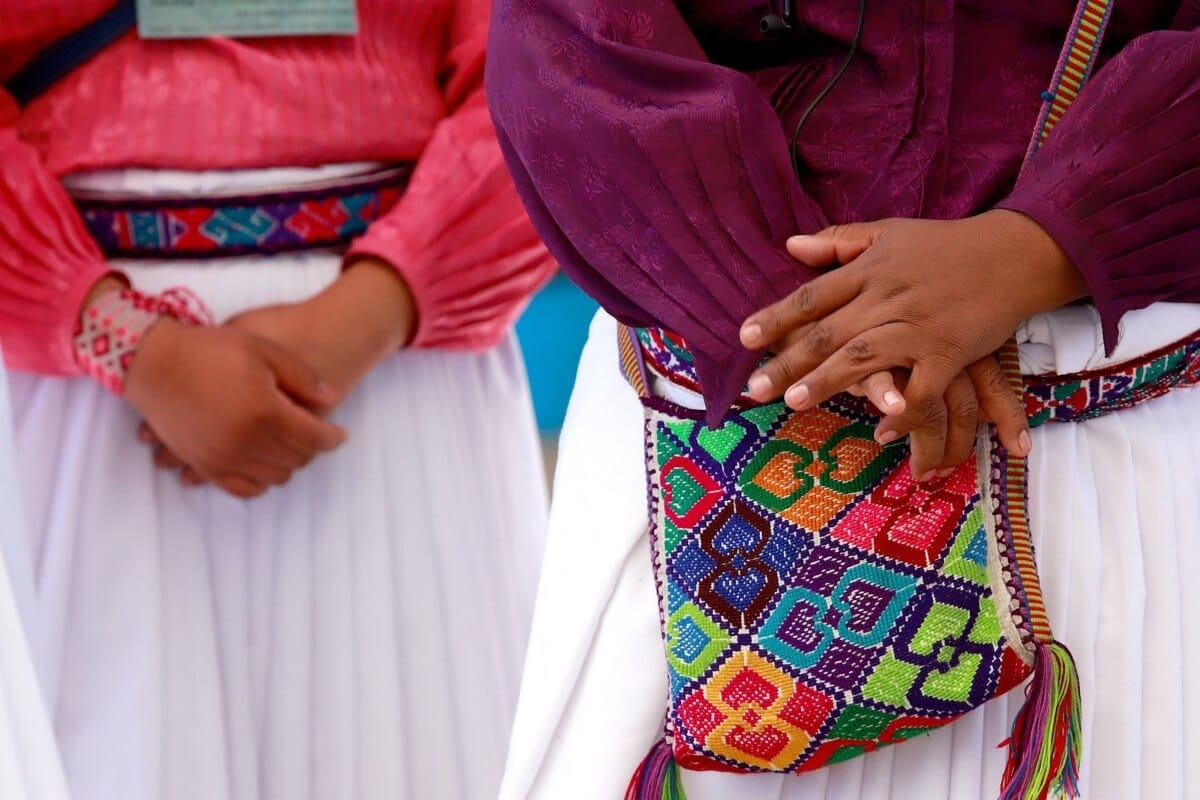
(657, 777)
(1045, 745)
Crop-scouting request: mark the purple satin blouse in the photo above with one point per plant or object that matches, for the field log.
(648, 139)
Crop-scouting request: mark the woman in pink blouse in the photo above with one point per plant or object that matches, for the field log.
(356, 632)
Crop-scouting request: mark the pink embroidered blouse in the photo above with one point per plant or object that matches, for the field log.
(409, 87)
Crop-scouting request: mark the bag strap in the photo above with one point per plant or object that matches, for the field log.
(633, 360)
(1075, 64)
(58, 59)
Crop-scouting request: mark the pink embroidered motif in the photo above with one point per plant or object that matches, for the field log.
(111, 329)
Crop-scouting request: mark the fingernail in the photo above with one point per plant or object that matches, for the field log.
(798, 238)
(945, 473)
(891, 399)
(796, 396)
(759, 385)
(928, 476)
(1026, 443)
(887, 437)
(752, 332)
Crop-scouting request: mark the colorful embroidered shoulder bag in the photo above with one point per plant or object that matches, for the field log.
(817, 603)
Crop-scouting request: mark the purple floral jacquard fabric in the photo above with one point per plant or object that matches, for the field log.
(649, 139)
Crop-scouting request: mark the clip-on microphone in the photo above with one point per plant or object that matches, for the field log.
(775, 24)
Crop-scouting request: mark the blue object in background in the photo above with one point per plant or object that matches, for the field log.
(552, 332)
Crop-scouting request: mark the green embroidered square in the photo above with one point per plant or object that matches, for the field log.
(891, 681)
(941, 623)
(857, 722)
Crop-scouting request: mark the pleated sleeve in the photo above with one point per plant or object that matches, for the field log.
(1117, 183)
(460, 236)
(48, 260)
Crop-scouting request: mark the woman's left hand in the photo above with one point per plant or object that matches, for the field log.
(930, 297)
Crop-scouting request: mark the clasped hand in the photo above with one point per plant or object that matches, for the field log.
(229, 407)
(911, 320)
(243, 405)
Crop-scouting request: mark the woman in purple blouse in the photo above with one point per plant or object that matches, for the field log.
(650, 140)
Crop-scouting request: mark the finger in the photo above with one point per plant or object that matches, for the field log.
(258, 461)
(147, 436)
(282, 450)
(926, 418)
(295, 378)
(267, 474)
(306, 433)
(272, 442)
(240, 487)
(962, 410)
(189, 477)
(887, 430)
(1002, 405)
(802, 351)
(928, 442)
(838, 244)
(880, 389)
(165, 459)
(810, 303)
(877, 350)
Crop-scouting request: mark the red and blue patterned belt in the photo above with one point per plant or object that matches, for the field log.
(1048, 398)
(319, 216)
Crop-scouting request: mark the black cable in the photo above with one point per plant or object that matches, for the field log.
(862, 19)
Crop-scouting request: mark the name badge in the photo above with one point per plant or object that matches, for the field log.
(193, 19)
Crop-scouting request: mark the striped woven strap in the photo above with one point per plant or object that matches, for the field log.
(1074, 66)
(632, 360)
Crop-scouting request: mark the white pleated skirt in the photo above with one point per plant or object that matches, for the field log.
(29, 766)
(1116, 517)
(355, 635)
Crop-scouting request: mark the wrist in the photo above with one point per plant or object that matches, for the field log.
(158, 342)
(109, 283)
(115, 324)
(373, 298)
(1042, 276)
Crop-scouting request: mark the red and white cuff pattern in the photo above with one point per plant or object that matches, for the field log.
(111, 328)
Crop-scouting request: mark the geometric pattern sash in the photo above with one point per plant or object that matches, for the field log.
(1047, 398)
(323, 215)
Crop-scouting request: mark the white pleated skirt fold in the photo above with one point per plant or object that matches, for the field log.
(355, 635)
(1115, 506)
(29, 765)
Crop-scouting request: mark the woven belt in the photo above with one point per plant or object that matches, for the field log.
(324, 215)
(1048, 398)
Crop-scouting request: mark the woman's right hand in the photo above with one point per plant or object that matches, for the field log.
(232, 406)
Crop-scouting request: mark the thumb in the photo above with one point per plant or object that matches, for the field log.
(837, 244)
(295, 378)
